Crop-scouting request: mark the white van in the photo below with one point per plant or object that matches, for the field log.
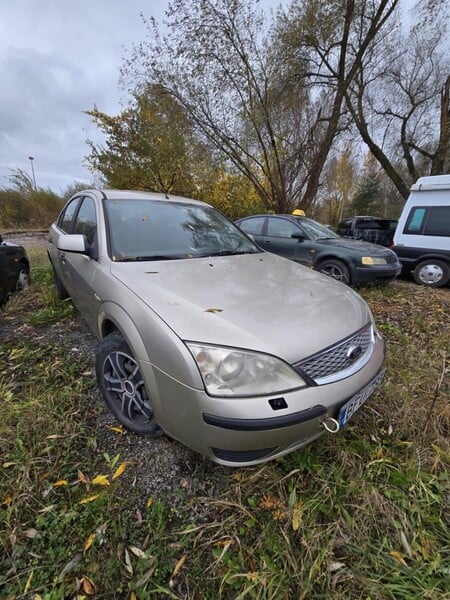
(422, 237)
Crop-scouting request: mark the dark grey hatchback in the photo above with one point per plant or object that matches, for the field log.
(304, 240)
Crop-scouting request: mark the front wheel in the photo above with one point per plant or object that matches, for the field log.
(122, 386)
(432, 272)
(336, 269)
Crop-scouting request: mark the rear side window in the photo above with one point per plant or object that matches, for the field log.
(432, 220)
(254, 225)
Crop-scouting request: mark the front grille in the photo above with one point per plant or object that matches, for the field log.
(335, 360)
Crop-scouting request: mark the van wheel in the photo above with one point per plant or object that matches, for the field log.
(432, 272)
(336, 269)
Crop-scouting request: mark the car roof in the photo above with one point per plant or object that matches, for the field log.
(113, 194)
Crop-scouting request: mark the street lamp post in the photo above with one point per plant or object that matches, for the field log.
(31, 158)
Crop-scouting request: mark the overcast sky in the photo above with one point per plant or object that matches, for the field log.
(58, 58)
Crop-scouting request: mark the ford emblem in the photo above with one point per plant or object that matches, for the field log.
(354, 352)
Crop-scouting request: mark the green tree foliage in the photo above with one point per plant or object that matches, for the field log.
(149, 146)
(21, 206)
(368, 196)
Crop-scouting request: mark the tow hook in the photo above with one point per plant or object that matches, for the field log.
(331, 425)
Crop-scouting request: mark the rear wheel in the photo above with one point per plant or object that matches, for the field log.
(23, 278)
(336, 269)
(432, 272)
(122, 386)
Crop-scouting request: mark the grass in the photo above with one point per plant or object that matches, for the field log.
(360, 515)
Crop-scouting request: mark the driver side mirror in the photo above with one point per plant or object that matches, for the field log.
(298, 236)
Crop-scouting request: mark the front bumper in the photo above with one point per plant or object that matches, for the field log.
(376, 274)
(248, 431)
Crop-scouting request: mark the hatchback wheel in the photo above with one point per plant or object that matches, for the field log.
(336, 269)
(431, 272)
(23, 278)
(122, 386)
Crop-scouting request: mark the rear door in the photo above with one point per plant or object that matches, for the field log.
(80, 269)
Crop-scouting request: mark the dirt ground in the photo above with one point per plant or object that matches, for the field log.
(28, 239)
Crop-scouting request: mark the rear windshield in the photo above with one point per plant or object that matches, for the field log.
(163, 230)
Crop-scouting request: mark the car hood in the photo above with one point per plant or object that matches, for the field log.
(359, 246)
(255, 301)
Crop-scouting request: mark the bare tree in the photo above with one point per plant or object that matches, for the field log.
(399, 101)
(272, 104)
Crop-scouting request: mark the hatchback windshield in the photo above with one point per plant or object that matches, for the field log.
(162, 230)
(315, 230)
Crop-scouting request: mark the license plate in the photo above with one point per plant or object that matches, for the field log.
(355, 403)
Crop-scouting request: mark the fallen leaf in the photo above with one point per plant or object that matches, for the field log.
(128, 565)
(82, 477)
(398, 557)
(179, 566)
(33, 534)
(28, 584)
(297, 515)
(89, 499)
(6, 465)
(47, 509)
(89, 587)
(149, 502)
(120, 469)
(89, 541)
(116, 429)
(137, 552)
(6, 500)
(335, 566)
(213, 310)
(101, 480)
(60, 482)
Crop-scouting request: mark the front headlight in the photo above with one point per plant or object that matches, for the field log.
(372, 260)
(233, 372)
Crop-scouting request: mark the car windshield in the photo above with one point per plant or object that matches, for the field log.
(166, 230)
(315, 230)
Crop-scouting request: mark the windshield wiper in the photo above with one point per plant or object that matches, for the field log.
(150, 258)
(230, 252)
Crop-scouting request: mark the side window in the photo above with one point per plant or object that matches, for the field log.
(86, 221)
(438, 221)
(415, 221)
(281, 228)
(66, 218)
(253, 225)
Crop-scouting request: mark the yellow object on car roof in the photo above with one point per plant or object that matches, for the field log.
(298, 212)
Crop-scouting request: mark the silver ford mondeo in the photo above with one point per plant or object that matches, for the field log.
(240, 354)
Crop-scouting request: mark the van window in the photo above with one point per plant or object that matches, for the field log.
(438, 222)
(415, 220)
(433, 220)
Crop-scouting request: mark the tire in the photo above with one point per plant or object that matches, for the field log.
(432, 273)
(336, 269)
(23, 278)
(61, 291)
(122, 386)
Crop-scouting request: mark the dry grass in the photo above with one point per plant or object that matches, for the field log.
(360, 515)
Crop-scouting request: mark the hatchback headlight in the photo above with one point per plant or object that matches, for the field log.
(234, 372)
(372, 260)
